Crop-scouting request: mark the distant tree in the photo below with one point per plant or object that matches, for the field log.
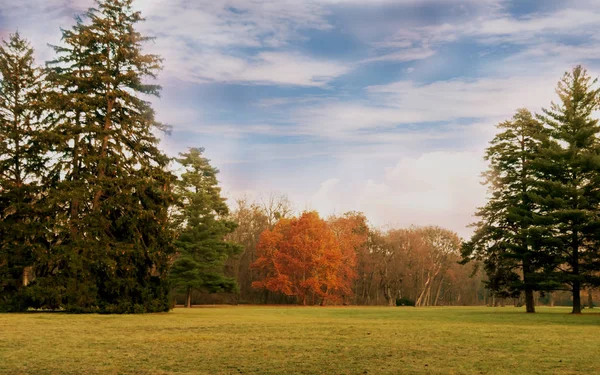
(301, 257)
(276, 207)
(352, 233)
(251, 220)
(22, 169)
(505, 235)
(443, 247)
(570, 193)
(417, 264)
(203, 225)
(389, 253)
(365, 284)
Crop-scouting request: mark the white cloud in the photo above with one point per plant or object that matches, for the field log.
(538, 32)
(321, 199)
(233, 22)
(235, 130)
(506, 28)
(200, 41)
(424, 35)
(403, 106)
(461, 98)
(403, 55)
(292, 69)
(404, 109)
(275, 68)
(412, 43)
(437, 188)
(39, 21)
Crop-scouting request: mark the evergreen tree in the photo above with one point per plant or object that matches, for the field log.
(202, 249)
(505, 236)
(569, 198)
(112, 188)
(22, 167)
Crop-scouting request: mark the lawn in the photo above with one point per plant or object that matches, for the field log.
(309, 340)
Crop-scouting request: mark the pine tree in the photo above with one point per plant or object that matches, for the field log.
(113, 190)
(504, 237)
(202, 249)
(570, 194)
(22, 167)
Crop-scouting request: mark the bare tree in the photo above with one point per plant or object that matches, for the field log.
(276, 206)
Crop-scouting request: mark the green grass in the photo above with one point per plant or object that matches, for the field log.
(296, 340)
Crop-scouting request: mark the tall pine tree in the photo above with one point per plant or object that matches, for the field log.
(113, 190)
(203, 225)
(505, 238)
(22, 167)
(569, 198)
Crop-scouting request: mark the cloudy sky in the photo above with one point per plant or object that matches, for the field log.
(381, 106)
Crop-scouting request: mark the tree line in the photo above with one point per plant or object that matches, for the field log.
(306, 259)
(540, 229)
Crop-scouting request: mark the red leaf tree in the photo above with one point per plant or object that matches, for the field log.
(303, 257)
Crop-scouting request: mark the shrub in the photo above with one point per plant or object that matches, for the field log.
(404, 302)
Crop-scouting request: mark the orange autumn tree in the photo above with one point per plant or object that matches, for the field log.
(302, 257)
(352, 232)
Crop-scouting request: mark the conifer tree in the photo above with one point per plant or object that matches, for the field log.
(113, 189)
(203, 224)
(505, 237)
(569, 198)
(22, 167)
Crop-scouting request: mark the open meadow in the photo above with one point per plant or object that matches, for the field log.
(303, 340)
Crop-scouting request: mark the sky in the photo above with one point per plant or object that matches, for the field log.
(379, 106)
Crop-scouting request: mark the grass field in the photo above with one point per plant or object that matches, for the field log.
(296, 340)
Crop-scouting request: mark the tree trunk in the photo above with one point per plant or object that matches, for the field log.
(437, 294)
(576, 281)
(324, 299)
(427, 299)
(425, 295)
(529, 300)
(420, 299)
(576, 297)
(189, 298)
(529, 297)
(551, 298)
(27, 275)
(387, 294)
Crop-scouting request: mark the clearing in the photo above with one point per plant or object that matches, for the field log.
(304, 340)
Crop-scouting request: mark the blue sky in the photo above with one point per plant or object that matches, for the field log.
(380, 106)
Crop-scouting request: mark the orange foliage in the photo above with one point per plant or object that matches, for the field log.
(352, 232)
(308, 258)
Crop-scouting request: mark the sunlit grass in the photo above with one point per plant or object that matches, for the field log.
(310, 340)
